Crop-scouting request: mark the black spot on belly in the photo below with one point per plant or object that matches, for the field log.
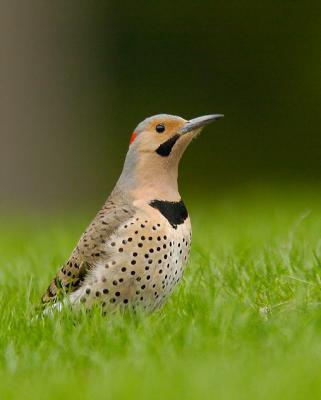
(165, 148)
(174, 211)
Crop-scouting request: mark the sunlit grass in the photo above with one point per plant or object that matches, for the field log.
(244, 323)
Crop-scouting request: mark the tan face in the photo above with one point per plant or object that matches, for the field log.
(156, 146)
(158, 135)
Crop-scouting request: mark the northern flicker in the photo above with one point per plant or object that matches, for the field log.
(134, 251)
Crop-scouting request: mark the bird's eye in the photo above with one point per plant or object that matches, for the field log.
(160, 128)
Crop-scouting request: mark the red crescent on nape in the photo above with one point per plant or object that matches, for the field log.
(132, 138)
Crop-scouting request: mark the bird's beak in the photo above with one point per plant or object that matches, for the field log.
(198, 123)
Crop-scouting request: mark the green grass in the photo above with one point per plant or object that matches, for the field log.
(244, 323)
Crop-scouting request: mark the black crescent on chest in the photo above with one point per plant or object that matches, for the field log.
(174, 211)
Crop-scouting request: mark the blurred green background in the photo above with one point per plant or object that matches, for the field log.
(75, 79)
(77, 76)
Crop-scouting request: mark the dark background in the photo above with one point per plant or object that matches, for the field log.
(77, 76)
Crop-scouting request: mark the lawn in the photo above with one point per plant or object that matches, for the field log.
(244, 323)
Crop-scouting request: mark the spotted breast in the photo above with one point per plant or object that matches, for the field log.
(144, 260)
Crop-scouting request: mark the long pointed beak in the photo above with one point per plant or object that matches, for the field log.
(199, 122)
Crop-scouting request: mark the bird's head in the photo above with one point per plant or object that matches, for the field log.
(155, 149)
(166, 135)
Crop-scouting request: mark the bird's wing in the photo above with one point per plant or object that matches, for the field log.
(90, 248)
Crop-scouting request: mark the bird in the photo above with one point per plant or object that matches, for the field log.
(133, 253)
